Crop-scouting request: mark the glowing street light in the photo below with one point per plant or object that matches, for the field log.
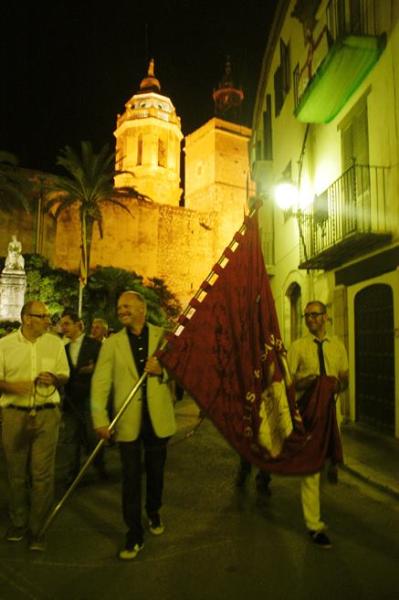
(286, 194)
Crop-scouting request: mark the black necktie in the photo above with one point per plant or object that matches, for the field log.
(321, 356)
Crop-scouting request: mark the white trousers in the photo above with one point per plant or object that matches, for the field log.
(310, 496)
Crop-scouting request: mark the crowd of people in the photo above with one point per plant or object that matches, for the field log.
(49, 373)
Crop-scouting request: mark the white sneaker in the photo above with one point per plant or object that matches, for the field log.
(130, 552)
(156, 525)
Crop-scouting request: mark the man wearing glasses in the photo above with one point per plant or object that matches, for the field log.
(33, 365)
(317, 353)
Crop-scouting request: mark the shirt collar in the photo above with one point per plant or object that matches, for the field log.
(136, 335)
(25, 340)
(326, 338)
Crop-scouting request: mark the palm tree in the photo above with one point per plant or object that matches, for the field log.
(14, 186)
(89, 185)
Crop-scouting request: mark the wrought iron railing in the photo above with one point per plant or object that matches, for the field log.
(355, 204)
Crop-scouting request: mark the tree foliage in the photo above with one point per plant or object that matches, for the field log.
(54, 287)
(89, 184)
(57, 289)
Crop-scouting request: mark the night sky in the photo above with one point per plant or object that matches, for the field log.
(69, 67)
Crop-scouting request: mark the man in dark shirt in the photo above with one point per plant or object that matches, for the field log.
(147, 423)
(82, 353)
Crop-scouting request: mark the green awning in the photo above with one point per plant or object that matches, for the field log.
(344, 68)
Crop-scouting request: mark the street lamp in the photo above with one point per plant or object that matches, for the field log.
(286, 194)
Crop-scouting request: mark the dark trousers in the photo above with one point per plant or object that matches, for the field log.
(262, 477)
(79, 435)
(154, 463)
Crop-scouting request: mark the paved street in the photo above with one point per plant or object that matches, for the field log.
(219, 544)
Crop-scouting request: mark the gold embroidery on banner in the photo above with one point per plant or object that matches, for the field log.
(276, 423)
(250, 398)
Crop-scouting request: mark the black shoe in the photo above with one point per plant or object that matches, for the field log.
(320, 539)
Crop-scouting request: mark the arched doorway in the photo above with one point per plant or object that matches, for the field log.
(374, 357)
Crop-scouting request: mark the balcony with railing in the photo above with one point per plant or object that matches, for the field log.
(339, 57)
(349, 218)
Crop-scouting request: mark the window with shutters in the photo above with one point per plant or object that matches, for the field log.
(282, 78)
(267, 130)
(354, 137)
(355, 163)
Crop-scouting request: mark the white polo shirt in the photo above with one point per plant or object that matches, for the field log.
(23, 360)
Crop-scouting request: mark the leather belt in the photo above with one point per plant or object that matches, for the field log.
(29, 408)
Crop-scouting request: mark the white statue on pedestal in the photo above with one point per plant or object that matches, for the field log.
(14, 261)
(12, 282)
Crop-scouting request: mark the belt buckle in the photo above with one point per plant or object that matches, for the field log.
(31, 422)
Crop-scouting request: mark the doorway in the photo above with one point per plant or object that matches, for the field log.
(374, 358)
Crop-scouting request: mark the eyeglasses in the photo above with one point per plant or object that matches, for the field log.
(313, 315)
(43, 316)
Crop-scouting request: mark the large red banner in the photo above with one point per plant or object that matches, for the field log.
(227, 354)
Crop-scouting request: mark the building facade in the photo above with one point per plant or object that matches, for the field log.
(326, 122)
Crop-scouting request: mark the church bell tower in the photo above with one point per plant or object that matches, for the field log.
(148, 136)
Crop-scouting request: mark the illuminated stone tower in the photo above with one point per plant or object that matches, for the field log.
(148, 136)
(216, 163)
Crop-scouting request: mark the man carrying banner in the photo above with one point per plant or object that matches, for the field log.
(317, 353)
(148, 421)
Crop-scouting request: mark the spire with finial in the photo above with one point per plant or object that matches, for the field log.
(227, 97)
(150, 83)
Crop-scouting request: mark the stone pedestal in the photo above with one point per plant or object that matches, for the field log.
(12, 294)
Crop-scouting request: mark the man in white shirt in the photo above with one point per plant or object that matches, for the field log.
(33, 365)
(317, 353)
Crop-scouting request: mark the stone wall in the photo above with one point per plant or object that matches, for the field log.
(174, 243)
(24, 225)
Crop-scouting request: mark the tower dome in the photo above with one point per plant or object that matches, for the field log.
(148, 136)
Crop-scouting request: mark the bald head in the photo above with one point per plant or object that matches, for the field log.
(132, 311)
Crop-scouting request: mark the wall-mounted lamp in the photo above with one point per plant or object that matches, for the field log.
(286, 195)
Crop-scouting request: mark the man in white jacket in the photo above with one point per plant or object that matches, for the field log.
(147, 423)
